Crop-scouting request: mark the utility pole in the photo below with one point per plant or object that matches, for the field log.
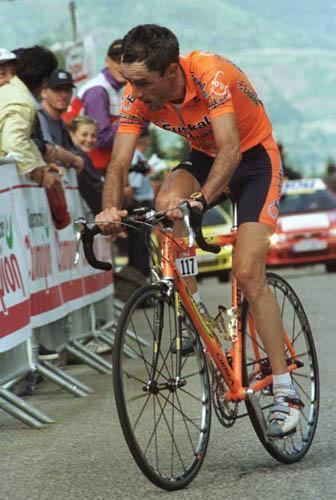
(72, 7)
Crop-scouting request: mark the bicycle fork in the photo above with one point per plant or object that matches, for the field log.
(172, 383)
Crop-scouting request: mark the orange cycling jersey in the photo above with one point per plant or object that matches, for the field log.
(214, 86)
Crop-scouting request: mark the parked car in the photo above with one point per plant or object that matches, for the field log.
(306, 232)
(216, 221)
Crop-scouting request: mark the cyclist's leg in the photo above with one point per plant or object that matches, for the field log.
(258, 198)
(249, 268)
(179, 184)
(185, 179)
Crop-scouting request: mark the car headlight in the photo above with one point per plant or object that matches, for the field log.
(332, 231)
(278, 238)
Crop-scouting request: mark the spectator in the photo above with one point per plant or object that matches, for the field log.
(84, 131)
(18, 109)
(331, 176)
(7, 66)
(289, 173)
(55, 100)
(100, 98)
(139, 193)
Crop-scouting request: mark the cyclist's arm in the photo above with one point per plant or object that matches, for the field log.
(227, 158)
(117, 171)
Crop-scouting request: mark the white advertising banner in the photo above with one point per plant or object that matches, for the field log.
(15, 259)
(79, 59)
(38, 276)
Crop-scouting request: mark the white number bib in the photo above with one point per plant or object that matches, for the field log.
(187, 265)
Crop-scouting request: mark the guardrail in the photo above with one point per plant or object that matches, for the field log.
(44, 297)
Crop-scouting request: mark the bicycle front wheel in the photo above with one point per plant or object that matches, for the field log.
(300, 350)
(163, 399)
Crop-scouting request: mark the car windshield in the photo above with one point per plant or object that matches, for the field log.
(315, 201)
(213, 217)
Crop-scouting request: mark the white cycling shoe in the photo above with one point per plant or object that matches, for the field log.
(284, 414)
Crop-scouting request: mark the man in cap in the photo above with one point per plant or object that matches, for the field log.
(55, 100)
(100, 98)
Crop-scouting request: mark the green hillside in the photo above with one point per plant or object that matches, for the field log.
(286, 47)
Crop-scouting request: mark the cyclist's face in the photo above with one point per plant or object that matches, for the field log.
(149, 86)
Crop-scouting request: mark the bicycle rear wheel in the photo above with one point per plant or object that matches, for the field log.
(305, 377)
(165, 420)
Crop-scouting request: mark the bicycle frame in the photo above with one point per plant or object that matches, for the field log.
(232, 374)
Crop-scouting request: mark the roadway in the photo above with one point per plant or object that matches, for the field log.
(84, 456)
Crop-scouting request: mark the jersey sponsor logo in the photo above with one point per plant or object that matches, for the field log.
(201, 85)
(128, 119)
(250, 93)
(189, 127)
(128, 101)
(219, 88)
(219, 92)
(214, 103)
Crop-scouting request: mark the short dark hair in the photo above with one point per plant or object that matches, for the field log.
(34, 64)
(154, 45)
(114, 50)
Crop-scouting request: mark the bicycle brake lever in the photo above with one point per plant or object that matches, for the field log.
(185, 207)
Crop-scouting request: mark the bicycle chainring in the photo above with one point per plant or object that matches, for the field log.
(226, 411)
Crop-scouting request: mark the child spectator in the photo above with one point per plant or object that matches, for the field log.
(84, 133)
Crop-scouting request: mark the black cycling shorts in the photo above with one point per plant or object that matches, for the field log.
(256, 184)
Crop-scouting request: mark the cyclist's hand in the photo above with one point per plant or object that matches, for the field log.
(196, 204)
(109, 220)
(176, 214)
(173, 212)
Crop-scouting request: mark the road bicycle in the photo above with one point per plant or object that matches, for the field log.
(164, 396)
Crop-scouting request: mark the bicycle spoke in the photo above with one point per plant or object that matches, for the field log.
(182, 413)
(173, 439)
(130, 376)
(185, 424)
(166, 428)
(155, 426)
(182, 389)
(142, 355)
(141, 412)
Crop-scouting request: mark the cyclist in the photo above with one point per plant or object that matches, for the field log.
(210, 102)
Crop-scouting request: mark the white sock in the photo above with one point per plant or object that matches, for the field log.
(283, 380)
(197, 297)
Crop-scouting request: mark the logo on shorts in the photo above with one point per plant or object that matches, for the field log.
(273, 209)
